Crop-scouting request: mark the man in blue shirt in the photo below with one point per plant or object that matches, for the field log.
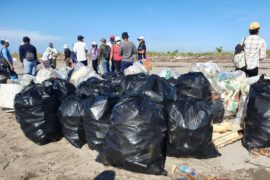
(6, 53)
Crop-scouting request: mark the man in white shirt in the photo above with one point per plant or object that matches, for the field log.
(52, 55)
(80, 49)
(255, 49)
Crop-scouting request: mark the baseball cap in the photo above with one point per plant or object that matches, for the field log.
(103, 39)
(117, 38)
(94, 43)
(140, 38)
(65, 46)
(254, 25)
(80, 37)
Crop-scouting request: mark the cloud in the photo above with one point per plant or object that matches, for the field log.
(12, 34)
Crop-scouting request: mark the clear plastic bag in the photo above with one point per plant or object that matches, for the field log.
(208, 69)
(44, 74)
(169, 73)
(26, 79)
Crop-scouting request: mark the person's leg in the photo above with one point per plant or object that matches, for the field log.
(95, 65)
(113, 66)
(34, 68)
(27, 67)
(108, 66)
(125, 65)
(117, 65)
(54, 63)
(104, 66)
(84, 62)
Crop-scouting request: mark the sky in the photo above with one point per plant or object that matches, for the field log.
(167, 25)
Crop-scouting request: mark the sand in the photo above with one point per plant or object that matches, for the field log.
(22, 159)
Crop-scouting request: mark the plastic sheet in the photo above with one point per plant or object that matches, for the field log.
(70, 116)
(190, 130)
(193, 85)
(36, 111)
(257, 121)
(135, 141)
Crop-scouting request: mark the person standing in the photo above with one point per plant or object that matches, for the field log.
(52, 55)
(80, 49)
(112, 42)
(67, 54)
(115, 54)
(28, 56)
(128, 52)
(104, 55)
(6, 54)
(94, 53)
(141, 49)
(254, 49)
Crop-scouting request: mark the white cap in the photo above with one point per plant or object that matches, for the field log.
(7, 40)
(117, 38)
(94, 43)
(140, 38)
(65, 46)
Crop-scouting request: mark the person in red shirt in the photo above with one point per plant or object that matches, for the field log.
(115, 55)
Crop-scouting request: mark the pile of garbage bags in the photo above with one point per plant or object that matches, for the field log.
(133, 120)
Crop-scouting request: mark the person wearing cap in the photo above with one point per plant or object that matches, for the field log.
(80, 49)
(67, 54)
(141, 49)
(5, 53)
(104, 55)
(52, 55)
(128, 52)
(94, 53)
(115, 57)
(28, 56)
(255, 49)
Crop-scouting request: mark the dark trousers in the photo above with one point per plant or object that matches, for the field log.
(117, 66)
(249, 72)
(125, 65)
(95, 65)
(113, 66)
(84, 62)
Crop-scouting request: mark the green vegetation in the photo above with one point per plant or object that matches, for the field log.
(268, 51)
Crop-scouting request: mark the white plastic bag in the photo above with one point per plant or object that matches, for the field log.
(26, 79)
(208, 69)
(169, 73)
(136, 68)
(44, 74)
(62, 73)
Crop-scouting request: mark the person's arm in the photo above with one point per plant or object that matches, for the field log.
(134, 53)
(120, 51)
(100, 53)
(143, 49)
(262, 53)
(5, 56)
(111, 54)
(35, 53)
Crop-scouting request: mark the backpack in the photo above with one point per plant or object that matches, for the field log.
(239, 57)
(107, 52)
(29, 56)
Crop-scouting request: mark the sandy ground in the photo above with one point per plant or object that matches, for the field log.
(21, 159)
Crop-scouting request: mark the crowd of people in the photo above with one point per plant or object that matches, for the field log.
(120, 53)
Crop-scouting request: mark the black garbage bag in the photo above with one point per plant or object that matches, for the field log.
(114, 78)
(97, 119)
(218, 110)
(94, 87)
(172, 81)
(190, 129)
(36, 111)
(132, 83)
(193, 85)
(60, 88)
(257, 121)
(70, 116)
(158, 89)
(136, 139)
